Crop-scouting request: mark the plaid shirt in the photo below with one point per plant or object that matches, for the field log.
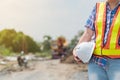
(110, 15)
(101, 61)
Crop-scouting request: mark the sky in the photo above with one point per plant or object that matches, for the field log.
(37, 18)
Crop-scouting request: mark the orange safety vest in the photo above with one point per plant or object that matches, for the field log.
(111, 48)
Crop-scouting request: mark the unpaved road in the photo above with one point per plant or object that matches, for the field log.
(48, 70)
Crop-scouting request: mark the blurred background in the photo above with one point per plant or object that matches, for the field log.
(35, 33)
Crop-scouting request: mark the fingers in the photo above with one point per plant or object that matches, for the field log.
(76, 57)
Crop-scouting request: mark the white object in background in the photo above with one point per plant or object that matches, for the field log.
(84, 51)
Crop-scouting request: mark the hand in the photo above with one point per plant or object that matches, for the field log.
(76, 57)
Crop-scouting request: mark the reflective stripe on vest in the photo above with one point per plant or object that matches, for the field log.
(111, 48)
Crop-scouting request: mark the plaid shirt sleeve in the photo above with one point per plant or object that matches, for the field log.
(91, 19)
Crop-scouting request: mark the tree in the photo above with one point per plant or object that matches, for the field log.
(31, 45)
(6, 38)
(17, 41)
(46, 44)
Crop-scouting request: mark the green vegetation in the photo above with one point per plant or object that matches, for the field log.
(46, 44)
(4, 51)
(15, 42)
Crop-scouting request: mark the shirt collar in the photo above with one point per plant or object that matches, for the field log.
(107, 4)
(119, 3)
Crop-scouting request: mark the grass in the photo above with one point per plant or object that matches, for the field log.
(44, 54)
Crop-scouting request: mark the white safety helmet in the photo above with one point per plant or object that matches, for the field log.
(84, 51)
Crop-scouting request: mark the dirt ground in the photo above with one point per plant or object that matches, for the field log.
(46, 70)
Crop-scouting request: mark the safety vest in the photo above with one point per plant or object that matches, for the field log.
(111, 48)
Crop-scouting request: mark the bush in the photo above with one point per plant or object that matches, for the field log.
(5, 51)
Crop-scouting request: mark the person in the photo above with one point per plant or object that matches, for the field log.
(20, 61)
(103, 25)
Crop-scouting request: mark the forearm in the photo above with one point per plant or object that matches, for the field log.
(87, 36)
